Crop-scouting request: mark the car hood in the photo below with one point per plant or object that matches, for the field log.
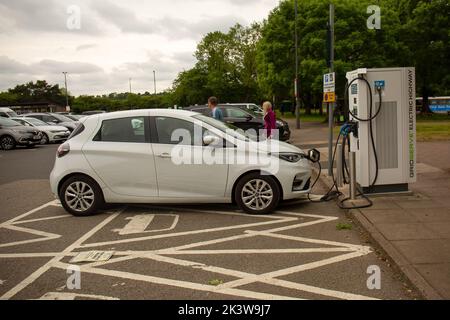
(25, 128)
(52, 128)
(69, 124)
(276, 146)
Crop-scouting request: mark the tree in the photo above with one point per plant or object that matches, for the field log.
(40, 91)
(426, 31)
(355, 46)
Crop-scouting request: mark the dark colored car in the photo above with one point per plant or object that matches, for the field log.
(90, 113)
(244, 119)
(54, 118)
(13, 133)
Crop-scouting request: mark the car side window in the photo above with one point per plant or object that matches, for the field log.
(47, 118)
(131, 129)
(3, 114)
(236, 113)
(177, 131)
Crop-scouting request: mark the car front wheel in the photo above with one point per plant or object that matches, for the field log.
(81, 196)
(7, 143)
(257, 194)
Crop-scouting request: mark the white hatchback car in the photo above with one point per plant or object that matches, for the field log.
(149, 156)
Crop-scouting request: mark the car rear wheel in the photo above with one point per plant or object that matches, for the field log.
(81, 196)
(44, 139)
(7, 143)
(257, 194)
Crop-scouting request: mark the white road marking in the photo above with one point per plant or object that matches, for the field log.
(139, 224)
(73, 296)
(349, 251)
(35, 275)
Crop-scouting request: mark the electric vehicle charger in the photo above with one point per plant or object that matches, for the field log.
(346, 129)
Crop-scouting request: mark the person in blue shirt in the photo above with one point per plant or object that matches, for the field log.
(215, 111)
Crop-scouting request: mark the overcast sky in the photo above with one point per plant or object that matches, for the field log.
(112, 41)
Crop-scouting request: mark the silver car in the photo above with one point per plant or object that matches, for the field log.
(13, 134)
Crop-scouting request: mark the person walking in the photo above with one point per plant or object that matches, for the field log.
(270, 123)
(215, 111)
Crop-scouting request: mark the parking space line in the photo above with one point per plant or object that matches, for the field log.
(181, 284)
(106, 243)
(35, 275)
(349, 251)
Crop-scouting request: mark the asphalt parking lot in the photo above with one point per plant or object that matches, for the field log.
(180, 252)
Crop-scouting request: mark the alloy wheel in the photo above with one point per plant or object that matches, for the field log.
(79, 196)
(257, 194)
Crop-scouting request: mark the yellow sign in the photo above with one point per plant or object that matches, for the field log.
(329, 97)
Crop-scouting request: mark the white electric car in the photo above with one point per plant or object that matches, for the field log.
(174, 156)
(52, 133)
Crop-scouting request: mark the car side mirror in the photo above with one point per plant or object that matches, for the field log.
(249, 117)
(314, 155)
(211, 140)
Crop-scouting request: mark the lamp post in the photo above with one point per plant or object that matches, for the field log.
(154, 80)
(67, 95)
(129, 81)
(296, 82)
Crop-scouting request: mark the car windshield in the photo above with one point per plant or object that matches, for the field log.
(8, 123)
(224, 127)
(254, 108)
(11, 113)
(35, 122)
(62, 118)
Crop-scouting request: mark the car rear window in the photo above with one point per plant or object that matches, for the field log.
(131, 129)
(79, 129)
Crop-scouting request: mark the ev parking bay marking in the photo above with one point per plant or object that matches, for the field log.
(140, 222)
(347, 251)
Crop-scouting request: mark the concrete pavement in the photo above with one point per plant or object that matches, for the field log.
(413, 230)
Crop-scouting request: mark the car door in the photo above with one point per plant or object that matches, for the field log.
(121, 155)
(182, 162)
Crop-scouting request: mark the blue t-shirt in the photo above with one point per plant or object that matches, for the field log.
(217, 114)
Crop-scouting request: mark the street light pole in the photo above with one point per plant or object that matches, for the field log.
(65, 84)
(297, 93)
(154, 80)
(129, 80)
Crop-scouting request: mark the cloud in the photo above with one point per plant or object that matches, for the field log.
(44, 15)
(86, 46)
(87, 78)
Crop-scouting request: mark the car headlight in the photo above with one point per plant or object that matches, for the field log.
(56, 131)
(290, 156)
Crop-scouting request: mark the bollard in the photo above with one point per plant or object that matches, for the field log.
(352, 165)
(339, 166)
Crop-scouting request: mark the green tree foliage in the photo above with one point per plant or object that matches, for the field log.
(355, 46)
(226, 67)
(426, 32)
(39, 91)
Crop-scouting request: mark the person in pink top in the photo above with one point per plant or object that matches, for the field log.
(269, 119)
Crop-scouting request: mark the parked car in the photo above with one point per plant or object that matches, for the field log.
(50, 133)
(75, 117)
(54, 119)
(89, 113)
(7, 113)
(244, 119)
(246, 106)
(13, 133)
(110, 158)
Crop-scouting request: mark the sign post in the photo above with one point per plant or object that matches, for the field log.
(329, 96)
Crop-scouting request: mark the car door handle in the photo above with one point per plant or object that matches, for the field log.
(165, 155)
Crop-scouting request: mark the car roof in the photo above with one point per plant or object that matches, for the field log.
(144, 112)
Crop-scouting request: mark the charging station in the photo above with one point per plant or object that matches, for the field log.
(384, 138)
